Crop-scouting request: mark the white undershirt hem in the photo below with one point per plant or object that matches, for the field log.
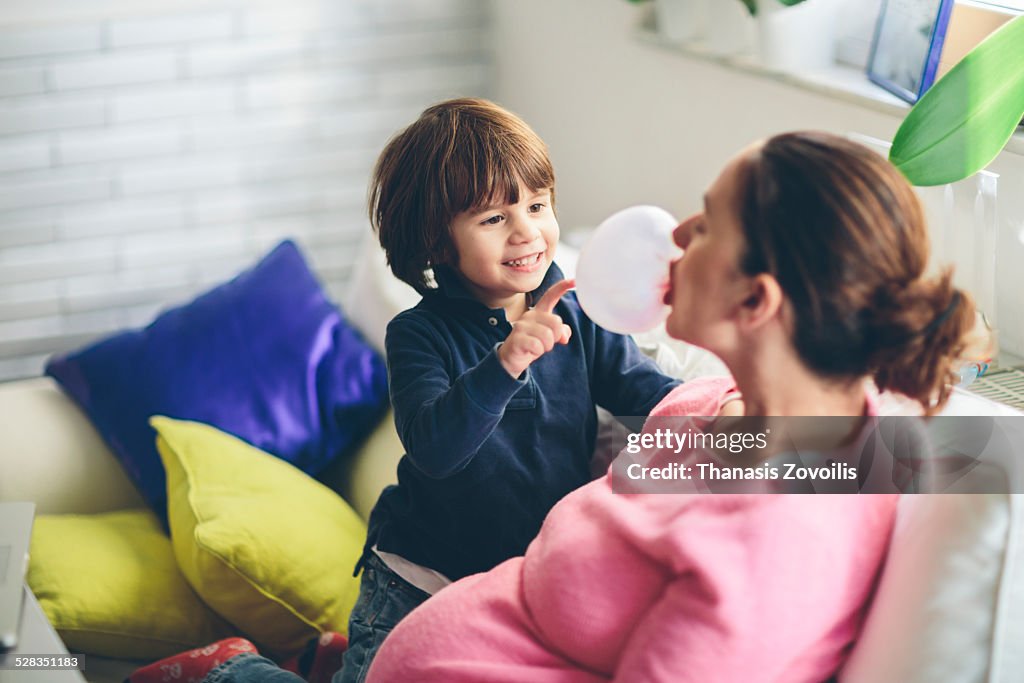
(424, 578)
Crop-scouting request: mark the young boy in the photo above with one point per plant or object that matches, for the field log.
(494, 377)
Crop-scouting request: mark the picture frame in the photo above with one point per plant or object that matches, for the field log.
(907, 45)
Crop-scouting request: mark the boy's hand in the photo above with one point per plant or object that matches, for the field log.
(536, 332)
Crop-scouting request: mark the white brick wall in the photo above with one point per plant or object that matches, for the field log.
(120, 142)
(147, 156)
(49, 41)
(25, 153)
(117, 69)
(171, 29)
(51, 112)
(22, 81)
(175, 100)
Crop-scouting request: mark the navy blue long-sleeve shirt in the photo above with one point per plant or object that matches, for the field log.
(487, 454)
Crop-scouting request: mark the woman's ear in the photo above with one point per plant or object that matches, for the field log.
(763, 302)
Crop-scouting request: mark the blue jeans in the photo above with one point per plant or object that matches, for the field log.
(250, 668)
(384, 600)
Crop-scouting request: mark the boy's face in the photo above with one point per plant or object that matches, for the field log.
(504, 250)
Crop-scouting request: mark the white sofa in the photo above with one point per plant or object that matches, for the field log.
(950, 605)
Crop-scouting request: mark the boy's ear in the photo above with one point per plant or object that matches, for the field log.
(763, 302)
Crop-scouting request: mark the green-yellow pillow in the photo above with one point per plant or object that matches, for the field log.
(267, 547)
(110, 585)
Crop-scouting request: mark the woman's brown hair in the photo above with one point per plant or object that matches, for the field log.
(844, 234)
(458, 155)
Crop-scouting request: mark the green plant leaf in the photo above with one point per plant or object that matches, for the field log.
(963, 121)
(751, 5)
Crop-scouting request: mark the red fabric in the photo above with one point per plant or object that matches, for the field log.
(192, 666)
(320, 659)
(327, 661)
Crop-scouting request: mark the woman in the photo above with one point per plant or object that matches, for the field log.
(805, 274)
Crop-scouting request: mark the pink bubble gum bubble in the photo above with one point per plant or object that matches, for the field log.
(623, 270)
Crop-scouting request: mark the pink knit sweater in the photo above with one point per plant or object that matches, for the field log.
(659, 587)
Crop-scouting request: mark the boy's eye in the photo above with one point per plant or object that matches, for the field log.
(493, 220)
(536, 208)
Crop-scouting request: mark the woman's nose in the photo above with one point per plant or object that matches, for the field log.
(684, 231)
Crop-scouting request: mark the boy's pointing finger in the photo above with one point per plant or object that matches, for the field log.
(551, 297)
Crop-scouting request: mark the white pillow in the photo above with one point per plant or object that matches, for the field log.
(950, 602)
(374, 295)
(950, 605)
(678, 358)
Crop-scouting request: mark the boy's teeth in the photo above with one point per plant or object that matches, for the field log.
(524, 261)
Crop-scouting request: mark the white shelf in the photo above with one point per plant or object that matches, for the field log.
(840, 81)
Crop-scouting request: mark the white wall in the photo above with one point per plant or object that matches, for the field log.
(630, 123)
(151, 150)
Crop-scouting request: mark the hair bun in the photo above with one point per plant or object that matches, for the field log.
(915, 333)
(900, 311)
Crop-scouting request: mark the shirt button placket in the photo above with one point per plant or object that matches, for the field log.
(492, 321)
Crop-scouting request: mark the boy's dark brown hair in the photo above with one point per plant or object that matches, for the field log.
(458, 155)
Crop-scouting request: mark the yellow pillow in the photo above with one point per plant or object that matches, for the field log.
(264, 545)
(110, 585)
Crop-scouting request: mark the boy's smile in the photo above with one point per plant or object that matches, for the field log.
(526, 264)
(504, 250)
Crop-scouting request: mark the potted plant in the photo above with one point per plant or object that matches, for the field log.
(794, 38)
(720, 27)
(965, 119)
(962, 123)
(682, 21)
(752, 4)
(731, 30)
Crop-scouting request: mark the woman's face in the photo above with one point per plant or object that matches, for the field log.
(707, 287)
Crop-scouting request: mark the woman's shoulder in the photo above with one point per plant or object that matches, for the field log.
(700, 396)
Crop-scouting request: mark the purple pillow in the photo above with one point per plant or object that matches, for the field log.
(265, 357)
